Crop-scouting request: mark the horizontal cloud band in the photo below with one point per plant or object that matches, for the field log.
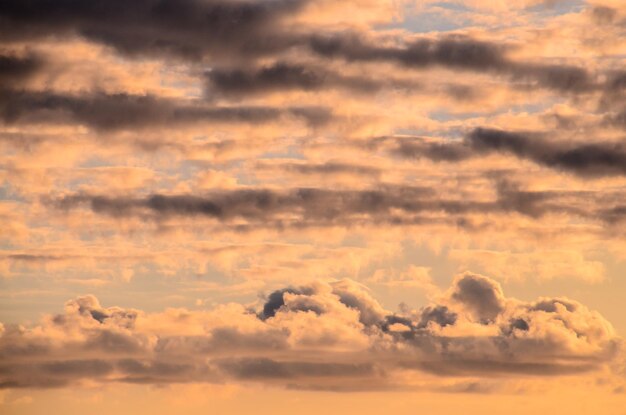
(592, 159)
(400, 205)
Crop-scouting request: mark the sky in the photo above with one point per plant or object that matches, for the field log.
(355, 206)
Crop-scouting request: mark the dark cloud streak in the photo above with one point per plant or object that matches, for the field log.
(320, 207)
(455, 52)
(110, 112)
(284, 76)
(188, 28)
(15, 69)
(596, 159)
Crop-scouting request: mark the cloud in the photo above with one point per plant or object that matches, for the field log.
(480, 295)
(283, 76)
(111, 112)
(594, 159)
(314, 207)
(190, 28)
(15, 69)
(603, 14)
(319, 334)
(276, 300)
(455, 52)
(228, 143)
(447, 151)
(460, 52)
(330, 168)
(241, 31)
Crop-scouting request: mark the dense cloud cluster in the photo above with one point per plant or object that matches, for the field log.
(334, 334)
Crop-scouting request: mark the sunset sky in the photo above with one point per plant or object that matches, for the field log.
(312, 206)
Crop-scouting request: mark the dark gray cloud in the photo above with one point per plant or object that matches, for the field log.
(416, 148)
(562, 78)
(347, 292)
(595, 159)
(188, 28)
(63, 373)
(52, 374)
(108, 112)
(456, 52)
(144, 371)
(37, 258)
(276, 300)
(480, 295)
(311, 207)
(414, 326)
(459, 367)
(284, 76)
(241, 30)
(267, 369)
(439, 314)
(330, 168)
(259, 204)
(616, 81)
(15, 69)
(614, 215)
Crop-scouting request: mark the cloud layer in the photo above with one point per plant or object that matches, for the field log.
(166, 153)
(326, 334)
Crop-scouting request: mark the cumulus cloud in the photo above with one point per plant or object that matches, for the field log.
(480, 295)
(324, 333)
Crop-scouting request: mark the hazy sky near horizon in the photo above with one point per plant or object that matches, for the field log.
(345, 206)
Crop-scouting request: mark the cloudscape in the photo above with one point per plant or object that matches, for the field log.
(269, 206)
